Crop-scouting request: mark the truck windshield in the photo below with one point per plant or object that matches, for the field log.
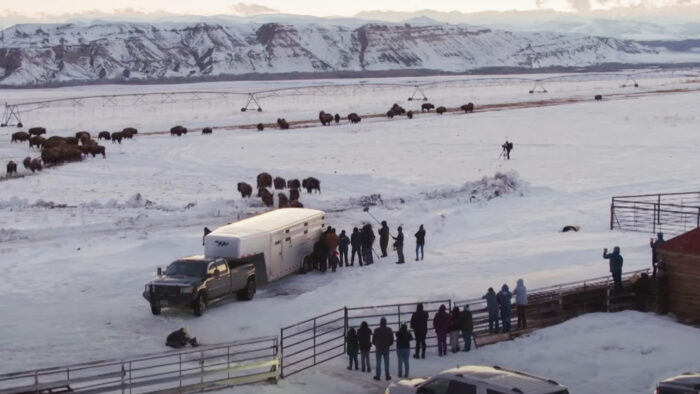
(187, 268)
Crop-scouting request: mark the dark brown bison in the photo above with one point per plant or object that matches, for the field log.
(36, 141)
(130, 130)
(35, 165)
(426, 107)
(354, 118)
(207, 130)
(96, 150)
(397, 109)
(279, 183)
(51, 156)
(104, 135)
(293, 194)
(27, 161)
(37, 131)
(264, 180)
(245, 189)
(11, 168)
(282, 201)
(260, 127)
(409, 114)
(467, 107)
(79, 135)
(20, 136)
(266, 197)
(282, 123)
(311, 184)
(71, 141)
(598, 97)
(325, 118)
(441, 110)
(293, 184)
(390, 114)
(178, 131)
(296, 204)
(117, 137)
(53, 142)
(337, 118)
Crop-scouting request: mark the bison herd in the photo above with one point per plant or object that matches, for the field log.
(265, 182)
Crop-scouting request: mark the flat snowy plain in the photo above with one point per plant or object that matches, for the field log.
(73, 275)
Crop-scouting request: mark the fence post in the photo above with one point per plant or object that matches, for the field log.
(658, 212)
(201, 367)
(123, 375)
(698, 218)
(345, 329)
(282, 353)
(398, 315)
(314, 332)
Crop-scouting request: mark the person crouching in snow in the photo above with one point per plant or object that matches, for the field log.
(180, 338)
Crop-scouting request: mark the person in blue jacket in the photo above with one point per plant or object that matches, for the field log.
(504, 297)
(615, 266)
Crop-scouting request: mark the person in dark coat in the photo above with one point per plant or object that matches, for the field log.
(441, 324)
(321, 249)
(403, 349)
(503, 299)
(343, 243)
(384, 237)
(654, 257)
(382, 339)
(367, 244)
(467, 328)
(180, 338)
(615, 266)
(420, 241)
(419, 325)
(456, 324)
(206, 232)
(364, 340)
(492, 309)
(398, 244)
(356, 244)
(352, 347)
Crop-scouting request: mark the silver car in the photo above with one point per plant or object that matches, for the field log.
(477, 379)
(687, 383)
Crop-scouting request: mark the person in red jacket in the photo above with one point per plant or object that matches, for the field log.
(441, 324)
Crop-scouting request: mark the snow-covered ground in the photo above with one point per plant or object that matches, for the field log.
(78, 242)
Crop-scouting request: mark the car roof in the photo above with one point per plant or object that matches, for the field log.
(505, 380)
(688, 379)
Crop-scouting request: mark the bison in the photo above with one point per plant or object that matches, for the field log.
(20, 136)
(279, 183)
(71, 141)
(426, 107)
(296, 204)
(293, 184)
(35, 165)
(598, 97)
(441, 110)
(266, 197)
(37, 131)
(27, 161)
(245, 189)
(282, 201)
(79, 135)
(36, 141)
(311, 184)
(390, 114)
(53, 142)
(354, 118)
(207, 130)
(96, 150)
(104, 135)
(178, 131)
(337, 118)
(282, 123)
(264, 180)
(397, 109)
(409, 114)
(293, 194)
(11, 168)
(130, 130)
(117, 137)
(467, 107)
(325, 118)
(260, 127)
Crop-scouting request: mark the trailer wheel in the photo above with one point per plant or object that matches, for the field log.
(249, 291)
(200, 304)
(155, 308)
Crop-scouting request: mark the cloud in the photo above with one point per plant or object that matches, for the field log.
(244, 9)
(585, 6)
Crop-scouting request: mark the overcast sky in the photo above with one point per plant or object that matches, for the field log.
(310, 7)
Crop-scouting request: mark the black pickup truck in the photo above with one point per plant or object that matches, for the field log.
(194, 282)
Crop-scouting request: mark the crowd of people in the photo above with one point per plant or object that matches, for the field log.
(332, 249)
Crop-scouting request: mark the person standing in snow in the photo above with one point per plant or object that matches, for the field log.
(507, 147)
(654, 257)
(352, 347)
(364, 340)
(382, 339)
(367, 244)
(384, 238)
(333, 260)
(456, 324)
(420, 241)
(615, 266)
(403, 349)
(492, 308)
(441, 324)
(356, 244)
(467, 328)
(503, 298)
(332, 240)
(520, 293)
(343, 243)
(419, 325)
(398, 244)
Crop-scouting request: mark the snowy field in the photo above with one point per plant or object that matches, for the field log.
(77, 242)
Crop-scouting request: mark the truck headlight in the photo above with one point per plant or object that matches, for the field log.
(187, 290)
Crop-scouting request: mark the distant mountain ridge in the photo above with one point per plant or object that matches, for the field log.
(39, 54)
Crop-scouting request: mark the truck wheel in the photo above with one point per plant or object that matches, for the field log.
(155, 309)
(249, 291)
(200, 304)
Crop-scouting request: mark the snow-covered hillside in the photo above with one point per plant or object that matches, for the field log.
(37, 54)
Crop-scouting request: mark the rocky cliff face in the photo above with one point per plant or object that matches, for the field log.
(44, 54)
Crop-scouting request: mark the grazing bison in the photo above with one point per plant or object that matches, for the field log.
(51, 156)
(207, 130)
(337, 118)
(354, 118)
(11, 168)
(598, 97)
(96, 150)
(266, 197)
(426, 107)
(441, 110)
(293, 194)
(20, 136)
(245, 189)
(117, 137)
(130, 130)
(397, 109)
(390, 114)
(104, 135)
(37, 131)
(293, 184)
(53, 142)
(467, 107)
(296, 204)
(279, 183)
(409, 114)
(264, 180)
(27, 161)
(35, 165)
(36, 141)
(311, 184)
(282, 201)
(260, 127)
(178, 131)
(79, 135)
(325, 118)
(282, 123)
(71, 141)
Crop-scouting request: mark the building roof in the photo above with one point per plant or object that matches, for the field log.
(267, 222)
(686, 243)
